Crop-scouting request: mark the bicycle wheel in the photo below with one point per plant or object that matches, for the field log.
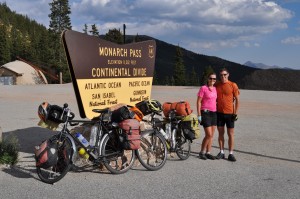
(116, 159)
(61, 168)
(183, 146)
(153, 151)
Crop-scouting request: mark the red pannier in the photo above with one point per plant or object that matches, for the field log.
(131, 134)
(46, 154)
(181, 108)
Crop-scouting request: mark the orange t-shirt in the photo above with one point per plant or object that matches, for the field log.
(226, 93)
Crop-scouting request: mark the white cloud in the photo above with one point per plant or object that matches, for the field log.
(291, 40)
(207, 24)
(214, 23)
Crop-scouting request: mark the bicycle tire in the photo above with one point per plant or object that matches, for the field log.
(58, 171)
(183, 146)
(153, 151)
(116, 160)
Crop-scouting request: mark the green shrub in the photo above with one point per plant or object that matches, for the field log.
(9, 151)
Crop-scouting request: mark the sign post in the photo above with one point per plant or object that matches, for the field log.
(105, 74)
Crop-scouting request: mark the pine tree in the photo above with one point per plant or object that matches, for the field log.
(137, 38)
(4, 47)
(166, 80)
(114, 36)
(208, 70)
(179, 70)
(194, 80)
(85, 29)
(59, 17)
(94, 30)
(155, 79)
(172, 81)
(59, 21)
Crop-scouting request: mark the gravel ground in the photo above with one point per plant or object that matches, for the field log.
(267, 150)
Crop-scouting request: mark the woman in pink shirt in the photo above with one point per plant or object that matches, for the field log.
(207, 116)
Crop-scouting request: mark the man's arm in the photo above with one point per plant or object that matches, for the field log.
(236, 104)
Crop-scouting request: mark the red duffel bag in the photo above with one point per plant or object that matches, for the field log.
(181, 108)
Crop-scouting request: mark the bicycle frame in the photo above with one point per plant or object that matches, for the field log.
(172, 143)
(102, 133)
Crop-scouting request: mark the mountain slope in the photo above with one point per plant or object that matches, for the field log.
(165, 61)
(272, 79)
(245, 76)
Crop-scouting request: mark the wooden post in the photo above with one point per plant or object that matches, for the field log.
(0, 134)
(60, 77)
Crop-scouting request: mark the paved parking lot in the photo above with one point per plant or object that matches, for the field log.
(267, 151)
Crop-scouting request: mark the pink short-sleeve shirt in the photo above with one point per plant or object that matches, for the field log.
(209, 98)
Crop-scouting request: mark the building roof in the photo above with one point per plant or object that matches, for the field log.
(28, 73)
(18, 67)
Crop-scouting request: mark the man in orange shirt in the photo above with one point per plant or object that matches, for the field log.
(227, 108)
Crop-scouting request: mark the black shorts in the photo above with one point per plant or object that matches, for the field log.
(209, 118)
(225, 119)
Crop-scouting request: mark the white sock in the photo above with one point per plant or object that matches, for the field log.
(207, 152)
(230, 152)
(222, 151)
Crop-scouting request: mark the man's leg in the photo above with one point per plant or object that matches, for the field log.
(230, 132)
(221, 139)
(221, 131)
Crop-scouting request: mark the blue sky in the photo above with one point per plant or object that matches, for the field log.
(261, 31)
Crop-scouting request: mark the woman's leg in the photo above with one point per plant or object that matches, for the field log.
(210, 136)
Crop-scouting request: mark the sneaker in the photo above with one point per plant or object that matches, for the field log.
(220, 156)
(231, 158)
(209, 156)
(202, 156)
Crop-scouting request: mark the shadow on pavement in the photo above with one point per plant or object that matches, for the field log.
(28, 138)
(194, 153)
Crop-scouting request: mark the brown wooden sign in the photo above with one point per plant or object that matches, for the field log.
(104, 73)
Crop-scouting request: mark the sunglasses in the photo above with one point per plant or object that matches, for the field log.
(223, 75)
(212, 78)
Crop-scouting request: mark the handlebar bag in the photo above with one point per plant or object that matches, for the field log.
(56, 114)
(131, 138)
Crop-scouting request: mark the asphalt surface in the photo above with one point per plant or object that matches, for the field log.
(267, 149)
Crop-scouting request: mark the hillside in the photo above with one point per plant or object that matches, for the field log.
(165, 61)
(272, 79)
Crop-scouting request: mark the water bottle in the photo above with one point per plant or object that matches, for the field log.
(164, 134)
(82, 139)
(173, 141)
(83, 153)
(93, 135)
(168, 129)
